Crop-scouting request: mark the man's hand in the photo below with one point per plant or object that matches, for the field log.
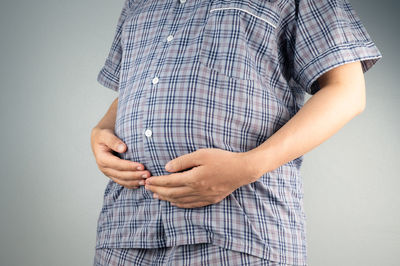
(123, 172)
(214, 174)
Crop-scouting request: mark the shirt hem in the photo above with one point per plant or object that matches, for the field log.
(266, 252)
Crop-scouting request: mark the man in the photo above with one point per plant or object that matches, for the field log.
(204, 143)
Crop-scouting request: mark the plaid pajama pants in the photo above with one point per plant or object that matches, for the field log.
(193, 255)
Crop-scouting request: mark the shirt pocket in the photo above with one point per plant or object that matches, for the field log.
(239, 38)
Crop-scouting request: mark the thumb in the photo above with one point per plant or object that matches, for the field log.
(182, 162)
(113, 142)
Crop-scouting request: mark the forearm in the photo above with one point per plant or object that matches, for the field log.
(108, 120)
(319, 118)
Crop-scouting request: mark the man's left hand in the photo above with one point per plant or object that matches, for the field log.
(214, 174)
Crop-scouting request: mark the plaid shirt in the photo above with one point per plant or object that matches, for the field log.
(194, 74)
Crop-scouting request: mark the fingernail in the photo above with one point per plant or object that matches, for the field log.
(155, 196)
(144, 176)
(141, 182)
(121, 147)
(139, 168)
(168, 166)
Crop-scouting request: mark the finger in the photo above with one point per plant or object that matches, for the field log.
(191, 205)
(187, 199)
(106, 142)
(126, 175)
(183, 162)
(170, 193)
(108, 160)
(130, 185)
(172, 180)
(109, 138)
(194, 200)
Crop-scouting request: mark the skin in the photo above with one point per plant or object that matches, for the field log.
(212, 174)
(104, 142)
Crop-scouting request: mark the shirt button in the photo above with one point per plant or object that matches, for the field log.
(155, 80)
(169, 38)
(183, 1)
(148, 133)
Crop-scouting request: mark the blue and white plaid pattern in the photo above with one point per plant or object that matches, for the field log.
(204, 254)
(220, 74)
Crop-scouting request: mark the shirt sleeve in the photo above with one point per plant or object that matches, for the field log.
(326, 34)
(109, 73)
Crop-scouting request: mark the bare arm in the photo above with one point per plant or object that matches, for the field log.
(104, 142)
(216, 173)
(108, 121)
(341, 98)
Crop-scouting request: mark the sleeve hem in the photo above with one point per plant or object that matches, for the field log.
(366, 52)
(108, 79)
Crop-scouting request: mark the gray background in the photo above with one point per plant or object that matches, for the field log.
(51, 189)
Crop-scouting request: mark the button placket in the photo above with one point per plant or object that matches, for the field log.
(148, 131)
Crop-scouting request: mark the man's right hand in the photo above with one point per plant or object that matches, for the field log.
(124, 172)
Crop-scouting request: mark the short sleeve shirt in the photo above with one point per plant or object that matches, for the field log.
(227, 74)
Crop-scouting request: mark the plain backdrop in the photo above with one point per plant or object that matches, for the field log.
(51, 189)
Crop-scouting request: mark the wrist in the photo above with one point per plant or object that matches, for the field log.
(257, 163)
(99, 128)
(104, 126)
(252, 169)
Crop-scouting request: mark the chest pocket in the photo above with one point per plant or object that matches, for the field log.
(239, 38)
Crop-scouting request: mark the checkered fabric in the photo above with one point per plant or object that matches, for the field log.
(220, 74)
(203, 254)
